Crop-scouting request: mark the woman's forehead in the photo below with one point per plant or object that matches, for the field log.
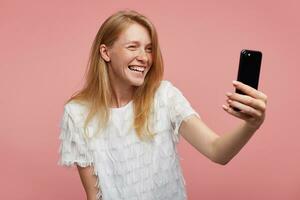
(135, 33)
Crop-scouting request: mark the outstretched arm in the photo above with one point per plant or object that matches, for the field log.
(221, 149)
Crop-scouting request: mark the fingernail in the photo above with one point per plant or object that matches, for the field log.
(234, 82)
(228, 94)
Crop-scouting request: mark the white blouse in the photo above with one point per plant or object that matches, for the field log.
(126, 167)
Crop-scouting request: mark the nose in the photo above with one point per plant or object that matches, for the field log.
(142, 56)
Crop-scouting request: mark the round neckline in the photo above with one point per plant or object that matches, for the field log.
(123, 107)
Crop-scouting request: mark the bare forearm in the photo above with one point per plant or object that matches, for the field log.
(228, 145)
(88, 181)
(91, 197)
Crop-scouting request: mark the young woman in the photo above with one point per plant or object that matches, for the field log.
(122, 128)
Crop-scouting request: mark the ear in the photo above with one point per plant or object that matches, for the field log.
(104, 52)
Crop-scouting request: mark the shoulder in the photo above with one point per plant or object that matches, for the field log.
(168, 90)
(163, 92)
(164, 86)
(166, 83)
(76, 110)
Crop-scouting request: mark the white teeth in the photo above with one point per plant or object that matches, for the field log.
(137, 68)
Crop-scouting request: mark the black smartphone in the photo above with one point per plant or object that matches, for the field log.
(249, 69)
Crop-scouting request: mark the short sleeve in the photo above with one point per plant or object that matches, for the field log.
(73, 148)
(179, 108)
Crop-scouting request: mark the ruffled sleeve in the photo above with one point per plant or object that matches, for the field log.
(179, 108)
(73, 148)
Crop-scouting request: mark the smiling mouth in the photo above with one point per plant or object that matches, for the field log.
(137, 69)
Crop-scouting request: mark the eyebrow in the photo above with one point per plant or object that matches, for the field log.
(136, 42)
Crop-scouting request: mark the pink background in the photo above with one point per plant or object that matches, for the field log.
(44, 51)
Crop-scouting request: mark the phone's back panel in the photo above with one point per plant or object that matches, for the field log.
(249, 67)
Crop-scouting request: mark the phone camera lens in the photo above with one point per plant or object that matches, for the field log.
(249, 54)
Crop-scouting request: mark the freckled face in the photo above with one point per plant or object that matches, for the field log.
(131, 56)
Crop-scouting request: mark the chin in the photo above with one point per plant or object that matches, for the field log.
(136, 80)
(137, 83)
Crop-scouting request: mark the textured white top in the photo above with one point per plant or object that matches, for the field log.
(127, 168)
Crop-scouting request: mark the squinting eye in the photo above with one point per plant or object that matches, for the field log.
(149, 49)
(132, 47)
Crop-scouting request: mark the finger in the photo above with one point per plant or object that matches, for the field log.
(247, 100)
(234, 113)
(250, 90)
(244, 108)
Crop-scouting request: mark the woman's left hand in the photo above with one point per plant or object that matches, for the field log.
(252, 105)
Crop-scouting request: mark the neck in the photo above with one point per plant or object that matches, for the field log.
(122, 94)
